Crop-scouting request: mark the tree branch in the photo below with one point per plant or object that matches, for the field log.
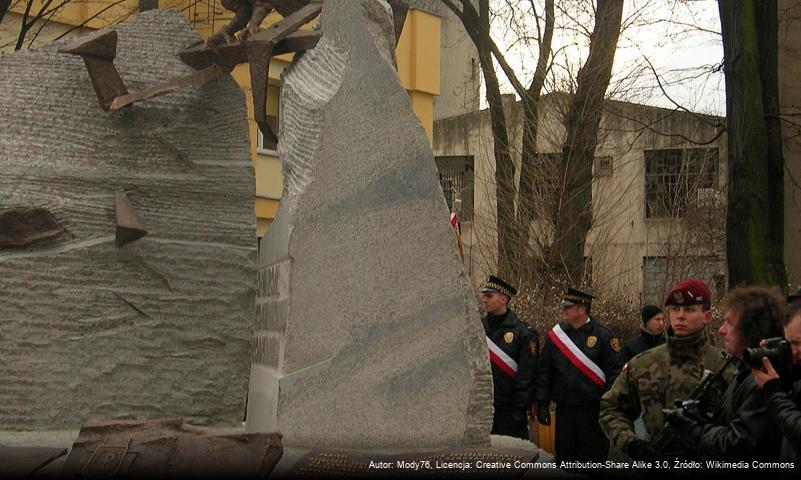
(82, 24)
(678, 106)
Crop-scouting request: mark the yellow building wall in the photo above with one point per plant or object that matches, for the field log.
(418, 56)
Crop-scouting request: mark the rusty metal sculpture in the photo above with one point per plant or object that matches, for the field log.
(220, 53)
(248, 15)
(129, 227)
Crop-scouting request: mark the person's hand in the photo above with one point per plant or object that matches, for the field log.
(639, 449)
(543, 414)
(766, 373)
(682, 424)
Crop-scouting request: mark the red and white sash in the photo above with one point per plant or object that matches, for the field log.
(501, 360)
(576, 356)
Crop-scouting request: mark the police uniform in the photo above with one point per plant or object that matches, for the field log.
(577, 365)
(657, 378)
(508, 338)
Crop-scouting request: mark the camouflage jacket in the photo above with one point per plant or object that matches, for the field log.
(654, 380)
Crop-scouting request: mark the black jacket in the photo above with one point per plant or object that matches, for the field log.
(786, 413)
(742, 428)
(521, 343)
(642, 342)
(559, 380)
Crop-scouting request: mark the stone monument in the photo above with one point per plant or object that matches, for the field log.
(127, 252)
(367, 332)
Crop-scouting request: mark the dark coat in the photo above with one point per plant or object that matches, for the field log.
(742, 428)
(523, 348)
(560, 381)
(785, 411)
(642, 342)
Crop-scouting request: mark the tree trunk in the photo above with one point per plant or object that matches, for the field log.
(752, 255)
(767, 28)
(574, 205)
(529, 157)
(477, 27)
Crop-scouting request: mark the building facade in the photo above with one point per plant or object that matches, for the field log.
(657, 192)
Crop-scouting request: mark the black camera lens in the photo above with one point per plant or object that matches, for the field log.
(777, 350)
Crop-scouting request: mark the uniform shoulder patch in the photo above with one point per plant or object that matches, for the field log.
(508, 337)
(615, 342)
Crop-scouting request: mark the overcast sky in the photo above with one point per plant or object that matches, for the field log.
(678, 37)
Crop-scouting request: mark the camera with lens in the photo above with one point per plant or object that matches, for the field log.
(778, 352)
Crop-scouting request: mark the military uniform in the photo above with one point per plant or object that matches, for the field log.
(512, 395)
(654, 380)
(576, 393)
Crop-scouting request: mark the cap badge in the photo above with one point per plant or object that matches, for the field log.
(678, 297)
(591, 341)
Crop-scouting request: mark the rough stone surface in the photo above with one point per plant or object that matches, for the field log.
(368, 334)
(162, 326)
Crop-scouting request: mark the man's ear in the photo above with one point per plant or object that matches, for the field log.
(707, 316)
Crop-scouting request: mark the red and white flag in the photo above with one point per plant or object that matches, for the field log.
(455, 227)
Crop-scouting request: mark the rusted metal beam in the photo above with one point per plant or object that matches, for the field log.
(200, 56)
(288, 7)
(260, 50)
(22, 226)
(98, 51)
(198, 78)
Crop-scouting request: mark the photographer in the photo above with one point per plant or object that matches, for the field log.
(742, 428)
(783, 407)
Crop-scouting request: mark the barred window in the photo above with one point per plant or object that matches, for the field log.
(673, 178)
(456, 179)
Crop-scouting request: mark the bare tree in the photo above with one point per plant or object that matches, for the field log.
(512, 224)
(36, 15)
(574, 208)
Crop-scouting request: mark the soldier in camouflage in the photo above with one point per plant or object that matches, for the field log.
(658, 377)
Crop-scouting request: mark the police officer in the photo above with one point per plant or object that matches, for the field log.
(513, 353)
(651, 333)
(658, 377)
(742, 429)
(580, 359)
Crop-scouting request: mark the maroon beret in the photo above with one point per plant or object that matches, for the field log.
(689, 291)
